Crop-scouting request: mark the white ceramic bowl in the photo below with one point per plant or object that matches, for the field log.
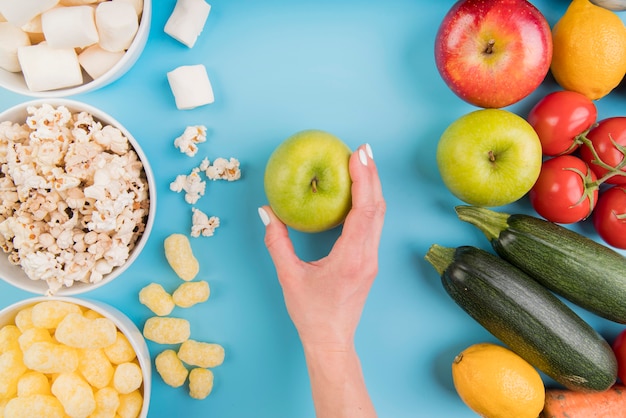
(14, 274)
(123, 323)
(15, 81)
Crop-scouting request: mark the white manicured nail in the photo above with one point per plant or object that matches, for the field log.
(362, 157)
(368, 149)
(265, 218)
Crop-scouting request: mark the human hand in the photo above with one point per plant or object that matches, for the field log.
(325, 298)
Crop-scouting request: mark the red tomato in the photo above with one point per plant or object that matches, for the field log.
(559, 118)
(604, 137)
(609, 216)
(619, 348)
(565, 191)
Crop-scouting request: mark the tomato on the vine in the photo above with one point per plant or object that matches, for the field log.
(609, 216)
(559, 117)
(619, 348)
(609, 142)
(565, 191)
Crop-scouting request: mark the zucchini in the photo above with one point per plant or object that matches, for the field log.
(526, 316)
(581, 270)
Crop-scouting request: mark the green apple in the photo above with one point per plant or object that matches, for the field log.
(307, 181)
(489, 157)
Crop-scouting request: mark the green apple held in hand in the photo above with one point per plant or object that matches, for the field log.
(307, 181)
(489, 157)
(493, 53)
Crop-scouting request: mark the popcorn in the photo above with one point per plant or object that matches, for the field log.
(180, 256)
(74, 198)
(223, 169)
(188, 142)
(156, 299)
(170, 368)
(201, 224)
(200, 383)
(191, 293)
(187, 21)
(192, 184)
(127, 377)
(75, 394)
(166, 330)
(201, 354)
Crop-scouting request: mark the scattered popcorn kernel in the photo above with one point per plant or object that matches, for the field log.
(201, 354)
(95, 367)
(201, 224)
(188, 142)
(130, 404)
(180, 256)
(75, 394)
(50, 313)
(127, 377)
(32, 336)
(191, 184)
(47, 357)
(120, 351)
(156, 299)
(33, 383)
(77, 331)
(167, 330)
(170, 368)
(24, 318)
(9, 338)
(34, 406)
(200, 383)
(223, 169)
(11, 369)
(107, 402)
(191, 293)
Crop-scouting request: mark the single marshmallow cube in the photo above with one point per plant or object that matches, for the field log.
(69, 27)
(48, 68)
(187, 21)
(20, 12)
(117, 25)
(137, 4)
(97, 61)
(34, 30)
(11, 38)
(191, 86)
(77, 2)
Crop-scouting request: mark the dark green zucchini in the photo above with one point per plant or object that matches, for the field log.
(583, 271)
(526, 316)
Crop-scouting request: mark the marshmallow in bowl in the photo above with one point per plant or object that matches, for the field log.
(47, 68)
(21, 12)
(117, 25)
(97, 61)
(187, 21)
(191, 86)
(137, 4)
(11, 38)
(69, 27)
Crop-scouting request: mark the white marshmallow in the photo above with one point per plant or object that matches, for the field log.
(77, 2)
(34, 30)
(47, 68)
(187, 21)
(19, 12)
(191, 86)
(11, 38)
(97, 61)
(137, 4)
(69, 27)
(117, 25)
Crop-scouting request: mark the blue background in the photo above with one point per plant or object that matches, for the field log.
(363, 70)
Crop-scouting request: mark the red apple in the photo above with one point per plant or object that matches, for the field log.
(493, 53)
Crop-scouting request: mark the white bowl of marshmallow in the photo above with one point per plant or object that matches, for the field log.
(58, 48)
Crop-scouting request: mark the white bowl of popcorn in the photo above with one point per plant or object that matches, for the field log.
(65, 356)
(77, 197)
(58, 48)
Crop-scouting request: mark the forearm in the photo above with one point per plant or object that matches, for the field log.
(337, 384)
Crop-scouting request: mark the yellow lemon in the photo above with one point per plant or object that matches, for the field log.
(497, 383)
(589, 50)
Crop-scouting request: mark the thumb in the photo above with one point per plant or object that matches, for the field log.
(277, 241)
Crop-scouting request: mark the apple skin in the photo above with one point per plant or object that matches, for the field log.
(489, 157)
(517, 62)
(307, 181)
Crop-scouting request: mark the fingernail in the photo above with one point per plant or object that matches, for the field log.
(368, 149)
(362, 157)
(265, 218)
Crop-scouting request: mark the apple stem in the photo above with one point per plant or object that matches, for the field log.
(489, 49)
(314, 185)
(492, 157)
